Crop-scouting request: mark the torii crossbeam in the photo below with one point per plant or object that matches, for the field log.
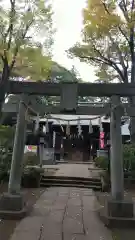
(83, 89)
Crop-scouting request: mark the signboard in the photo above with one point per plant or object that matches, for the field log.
(30, 148)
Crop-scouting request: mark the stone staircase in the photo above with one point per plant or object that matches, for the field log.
(63, 181)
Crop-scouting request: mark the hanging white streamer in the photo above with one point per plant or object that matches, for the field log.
(47, 125)
(100, 125)
(90, 127)
(79, 127)
(68, 129)
(37, 123)
(44, 129)
(54, 138)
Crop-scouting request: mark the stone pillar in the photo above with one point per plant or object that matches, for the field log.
(117, 205)
(117, 179)
(18, 150)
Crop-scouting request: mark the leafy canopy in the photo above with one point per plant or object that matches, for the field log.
(32, 64)
(22, 24)
(108, 39)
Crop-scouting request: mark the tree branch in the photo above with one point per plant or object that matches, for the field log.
(124, 35)
(132, 8)
(2, 57)
(94, 59)
(132, 32)
(123, 8)
(11, 23)
(110, 63)
(14, 57)
(10, 27)
(18, 44)
(120, 58)
(132, 45)
(119, 27)
(116, 46)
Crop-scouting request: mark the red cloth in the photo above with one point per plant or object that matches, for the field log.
(102, 144)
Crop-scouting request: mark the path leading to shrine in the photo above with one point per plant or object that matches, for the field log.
(63, 214)
(74, 170)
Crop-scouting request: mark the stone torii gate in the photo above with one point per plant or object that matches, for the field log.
(116, 206)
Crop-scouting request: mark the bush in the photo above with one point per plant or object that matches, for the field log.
(102, 162)
(31, 177)
(6, 148)
(129, 157)
(31, 172)
(30, 159)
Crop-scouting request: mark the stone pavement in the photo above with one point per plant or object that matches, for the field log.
(73, 170)
(63, 214)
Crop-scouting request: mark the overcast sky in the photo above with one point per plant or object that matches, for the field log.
(68, 22)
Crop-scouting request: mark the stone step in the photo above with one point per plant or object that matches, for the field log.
(72, 178)
(93, 183)
(70, 181)
(62, 184)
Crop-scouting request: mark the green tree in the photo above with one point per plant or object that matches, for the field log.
(61, 74)
(31, 63)
(108, 41)
(21, 24)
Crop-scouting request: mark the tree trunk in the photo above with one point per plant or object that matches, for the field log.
(3, 85)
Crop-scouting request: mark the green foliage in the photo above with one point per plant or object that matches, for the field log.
(128, 160)
(30, 159)
(102, 162)
(61, 74)
(31, 170)
(108, 39)
(31, 177)
(6, 147)
(129, 157)
(32, 64)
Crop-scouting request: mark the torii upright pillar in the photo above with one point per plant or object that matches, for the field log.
(117, 205)
(12, 203)
(117, 179)
(18, 150)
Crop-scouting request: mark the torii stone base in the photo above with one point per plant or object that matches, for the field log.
(13, 206)
(117, 213)
(122, 208)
